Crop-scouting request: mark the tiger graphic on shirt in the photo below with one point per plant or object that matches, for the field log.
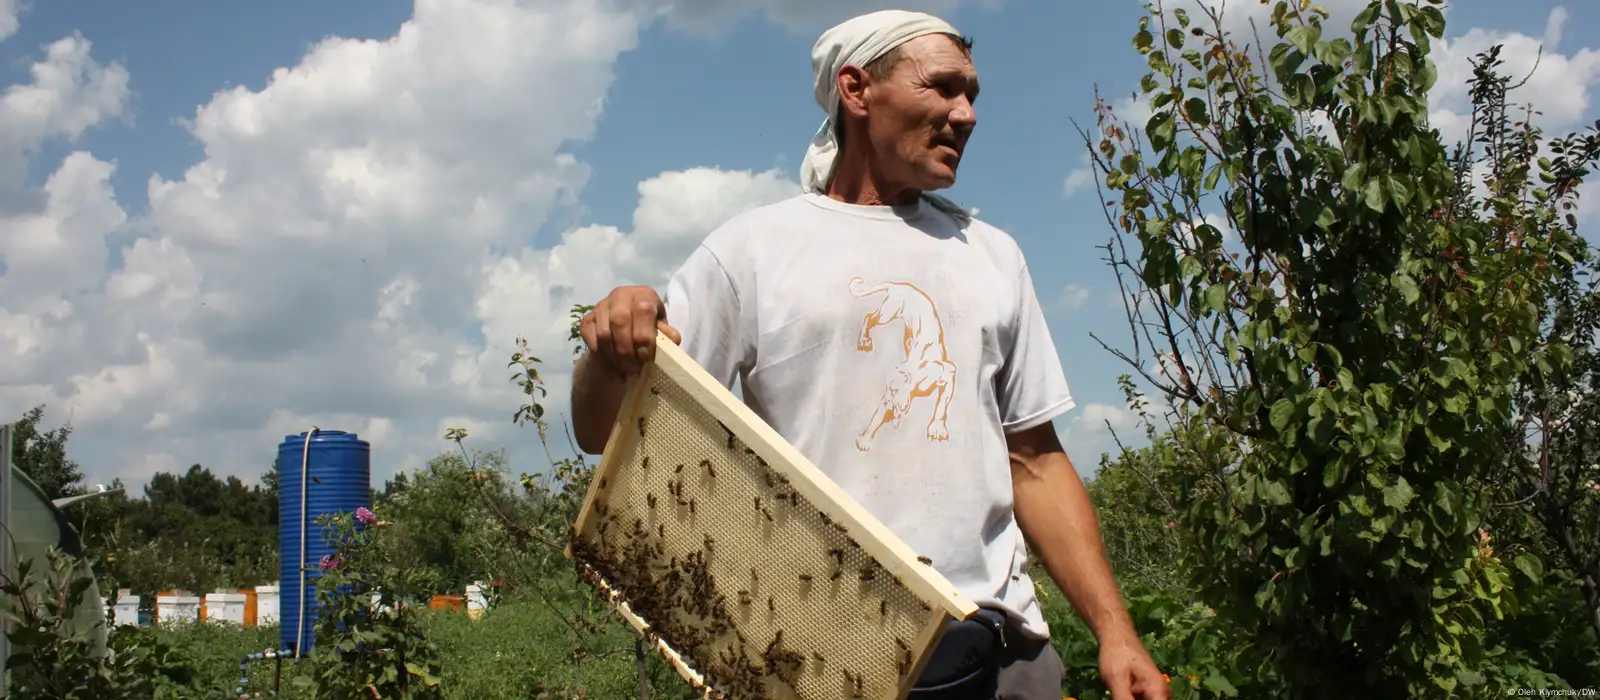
(925, 371)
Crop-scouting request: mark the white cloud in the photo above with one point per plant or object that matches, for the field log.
(797, 15)
(352, 252)
(69, 93)
(1072, 296)
(1079, 179)
(1088, 433)
(1135, 109)
(1561, 87)
(8, 18)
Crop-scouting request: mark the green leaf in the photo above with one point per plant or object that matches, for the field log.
(1408, 288)
(1161, 130)
(1217, 297)
(1334, 472)
(1196, 109)
(1274, 493)
(1189, 267)
(1399, 191)
(1143, 40)
(1217, 683)
(1304, 37)
(1398, 495)
(1282, 412)
(1183, 17)
(1175, 38)
(1530, 566)
(1373, 194)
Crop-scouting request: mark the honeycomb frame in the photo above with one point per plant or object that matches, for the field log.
(762, 542)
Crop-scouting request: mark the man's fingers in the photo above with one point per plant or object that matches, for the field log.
(645, 313)
(1117, 683)
(586, 329)
(671, 333)
(622, 336)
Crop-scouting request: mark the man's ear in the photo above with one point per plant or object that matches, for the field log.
(852, 83)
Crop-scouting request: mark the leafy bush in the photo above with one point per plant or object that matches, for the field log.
(57, 651)
(1342, 377)
(368, 639)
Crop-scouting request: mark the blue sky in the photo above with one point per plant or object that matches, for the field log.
(410, 310)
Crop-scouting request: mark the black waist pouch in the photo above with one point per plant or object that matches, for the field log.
(965, 665)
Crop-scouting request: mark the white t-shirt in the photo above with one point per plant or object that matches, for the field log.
(895, 349)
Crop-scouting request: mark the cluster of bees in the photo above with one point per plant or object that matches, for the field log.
(685, 604)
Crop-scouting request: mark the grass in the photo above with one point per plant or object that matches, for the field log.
(521, 648)
(518, 649)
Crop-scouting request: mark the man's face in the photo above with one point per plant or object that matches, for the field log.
(920, 117)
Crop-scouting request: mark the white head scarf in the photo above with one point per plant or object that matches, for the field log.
(857, 42)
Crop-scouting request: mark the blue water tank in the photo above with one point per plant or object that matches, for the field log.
(338, 479)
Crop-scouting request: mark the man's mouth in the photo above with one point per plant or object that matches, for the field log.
(952, 144)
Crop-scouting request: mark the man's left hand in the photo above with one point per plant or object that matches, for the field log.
(1129, 672)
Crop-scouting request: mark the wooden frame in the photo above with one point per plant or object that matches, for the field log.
(935, 594)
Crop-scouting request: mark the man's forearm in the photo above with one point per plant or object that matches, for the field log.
(597, 395)
(1055, 513)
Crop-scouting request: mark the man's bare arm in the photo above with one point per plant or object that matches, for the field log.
(597, 394)
(1058, 520)
(620, 336)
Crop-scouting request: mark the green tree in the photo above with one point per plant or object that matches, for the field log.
(1343, 374)
(42, 455)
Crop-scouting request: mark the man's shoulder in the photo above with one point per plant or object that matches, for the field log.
(994, 238)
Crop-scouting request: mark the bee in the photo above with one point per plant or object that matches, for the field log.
(661, 530)
(835, 575)
(767, 513)
(691, 506)
(883, 608)
(645, 462)
(709, 469)
(641, 426)
(678, 469)
(805, 577)
(650, 499)
(602, 482)
(925, 560)
(770, 606)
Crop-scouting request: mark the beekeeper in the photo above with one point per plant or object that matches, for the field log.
(899, 344)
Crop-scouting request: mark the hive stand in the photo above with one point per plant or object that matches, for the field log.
(752, 573)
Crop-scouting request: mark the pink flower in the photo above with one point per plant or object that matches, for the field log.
(329, 561)
(365, 516)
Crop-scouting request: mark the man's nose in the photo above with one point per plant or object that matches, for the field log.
(963, 114)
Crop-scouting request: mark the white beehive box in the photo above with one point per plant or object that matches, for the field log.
(126, 611)
(175, 609)
(266, 605)
(754, 574)
(226, 607)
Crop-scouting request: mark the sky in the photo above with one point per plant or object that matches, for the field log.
(223, 223)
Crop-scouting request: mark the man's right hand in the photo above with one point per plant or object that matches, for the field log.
(620, 332)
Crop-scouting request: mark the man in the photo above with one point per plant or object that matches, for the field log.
(898, 343)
